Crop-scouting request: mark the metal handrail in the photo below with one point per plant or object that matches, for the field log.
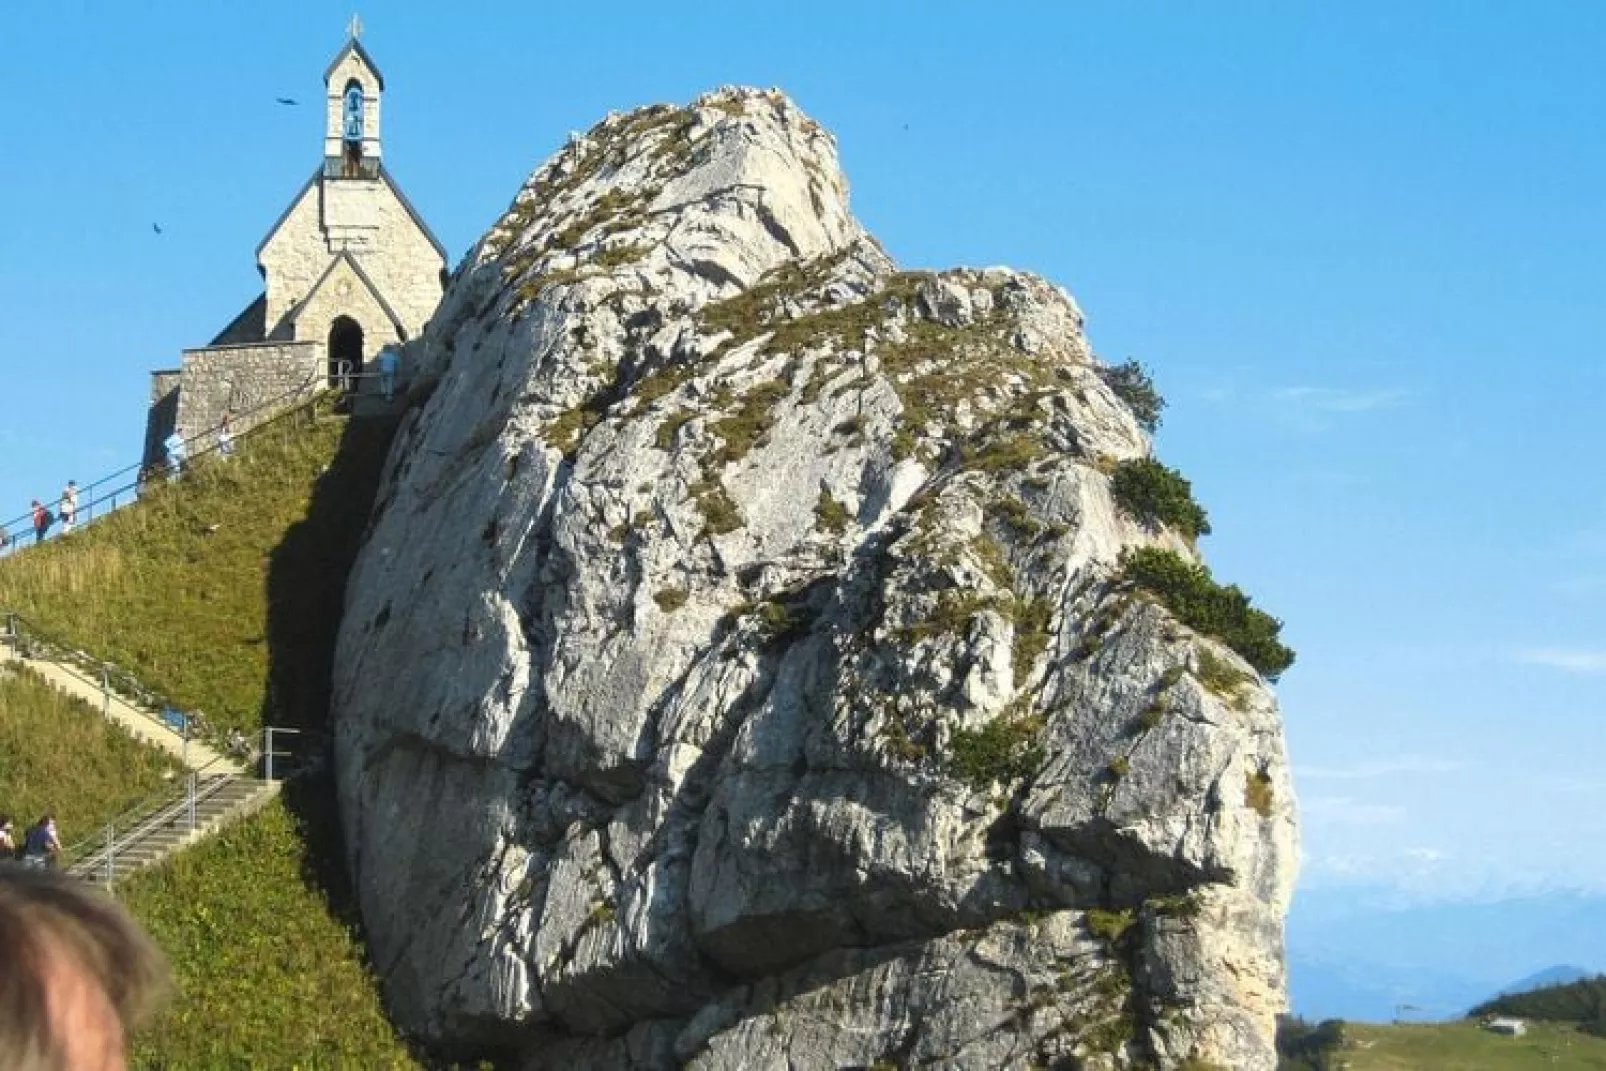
(42, 647)
(95, 494)
(151, 812)
(158, 811)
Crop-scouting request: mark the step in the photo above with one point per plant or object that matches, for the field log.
(142, 723)
(229, 801)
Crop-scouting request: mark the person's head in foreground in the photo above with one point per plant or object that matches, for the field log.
(76, 974)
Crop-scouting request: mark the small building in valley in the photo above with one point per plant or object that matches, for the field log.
(349, 268)
(1515, 1028)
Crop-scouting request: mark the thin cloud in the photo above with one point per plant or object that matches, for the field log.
(1348, 811)
(1334, 400)
(1573, 785)
(1402, 766)
(1568, 660)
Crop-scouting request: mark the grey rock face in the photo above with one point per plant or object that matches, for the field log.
(738, 674)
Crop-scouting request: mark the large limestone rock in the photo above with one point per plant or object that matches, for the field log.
(738, 672)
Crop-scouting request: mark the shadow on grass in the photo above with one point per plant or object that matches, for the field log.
(306, 593)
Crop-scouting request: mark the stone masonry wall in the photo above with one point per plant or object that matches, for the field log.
(405, 265)
(399, 257)
(294, 257)
(163, 414)
(345, 294)
(242, 378)
(351, 67)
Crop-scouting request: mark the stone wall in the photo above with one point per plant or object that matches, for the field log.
(369, 218)
(349, 68)
(163, 414)
(406, 266)
(295, 256)
(345, 294)
(218, 379)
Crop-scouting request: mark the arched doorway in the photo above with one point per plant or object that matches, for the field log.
(345, 352)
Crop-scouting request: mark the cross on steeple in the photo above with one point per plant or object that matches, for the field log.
(354, 27)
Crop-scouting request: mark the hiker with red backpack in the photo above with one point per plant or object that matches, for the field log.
(42, 520)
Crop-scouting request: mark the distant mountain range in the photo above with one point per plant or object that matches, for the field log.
(1362, 955)
(1549, 976)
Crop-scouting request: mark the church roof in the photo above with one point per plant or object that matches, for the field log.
(250, 326)
(354, 45)
(289, 208)
(395, 188)
(344, 255)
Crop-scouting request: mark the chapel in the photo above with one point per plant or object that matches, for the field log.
(348, 268)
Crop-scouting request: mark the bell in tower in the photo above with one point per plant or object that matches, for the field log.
(353, 87)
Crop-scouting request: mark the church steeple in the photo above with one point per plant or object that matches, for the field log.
(353, 88)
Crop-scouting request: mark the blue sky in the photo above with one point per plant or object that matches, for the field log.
(1360, 246)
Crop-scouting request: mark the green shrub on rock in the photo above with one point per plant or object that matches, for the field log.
(1131, 383)
(670, 599)
(830, 514)
(1189, 592)
(1004, 750)
(1155, 494)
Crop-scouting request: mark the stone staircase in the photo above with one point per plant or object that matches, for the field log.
(150, 836)
(143, 723)
(217, 790)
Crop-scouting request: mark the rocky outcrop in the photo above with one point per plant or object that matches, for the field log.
(740, 672)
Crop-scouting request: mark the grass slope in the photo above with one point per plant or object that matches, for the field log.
(269, 975)
(1465, 1046)
(224, 591)
(58, 754)
(176, 588)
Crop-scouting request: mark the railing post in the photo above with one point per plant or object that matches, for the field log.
(190, 800)
(267, 753)
(111, 848)
(105, 691)
(186, 757)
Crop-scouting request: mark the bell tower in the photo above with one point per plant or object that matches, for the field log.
(353, 89)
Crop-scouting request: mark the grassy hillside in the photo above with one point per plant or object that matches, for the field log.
(269, 973)
(223, 592)
(1582, 1002)
(58, 754)
(1464, 1046)
(178, 588)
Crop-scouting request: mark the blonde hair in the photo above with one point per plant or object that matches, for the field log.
(45, 915)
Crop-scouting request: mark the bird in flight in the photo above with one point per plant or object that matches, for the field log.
(285, 100)
(157, 227)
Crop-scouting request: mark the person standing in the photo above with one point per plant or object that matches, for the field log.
(8, 838)
(387, 372)
(69, 507)
(41, 521)
(41, 847)
(225, 436)
(176, 455)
